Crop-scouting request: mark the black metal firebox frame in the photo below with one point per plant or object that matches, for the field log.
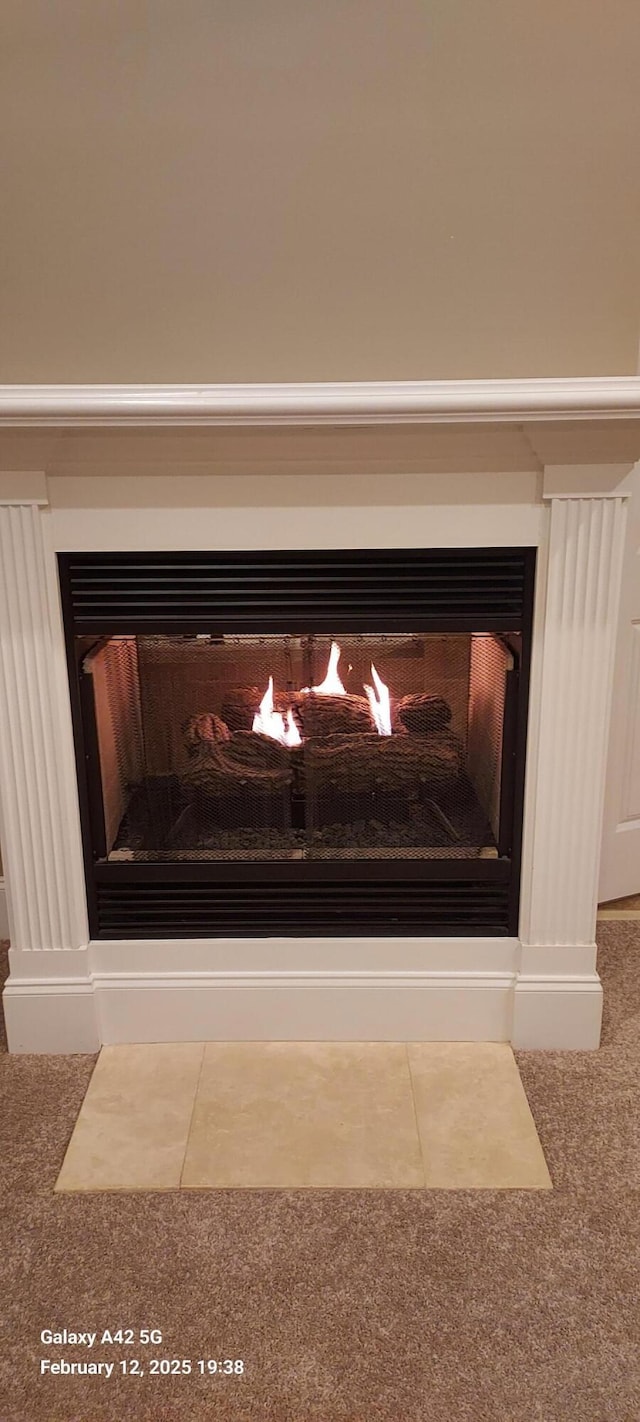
(330, 592)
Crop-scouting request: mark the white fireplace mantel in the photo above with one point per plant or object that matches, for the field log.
(332, 403)
(475, 463)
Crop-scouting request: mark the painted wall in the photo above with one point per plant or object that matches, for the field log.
(344, 190)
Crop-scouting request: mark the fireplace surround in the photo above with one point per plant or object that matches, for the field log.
(108, 830)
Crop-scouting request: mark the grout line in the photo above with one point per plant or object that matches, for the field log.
(415, 1116)
(193, 1112)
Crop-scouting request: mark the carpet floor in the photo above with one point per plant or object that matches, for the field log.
(345, 1306)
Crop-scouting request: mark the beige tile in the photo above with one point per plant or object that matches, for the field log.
(605, 914)
(476, 1129)
(132, 1130)
(302, 1114)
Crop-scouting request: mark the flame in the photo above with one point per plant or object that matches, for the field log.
(380, 704)
(292, 734)
(272, 723)
(332, 685)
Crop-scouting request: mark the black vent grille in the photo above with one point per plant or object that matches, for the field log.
(331, 909)
(351, 591)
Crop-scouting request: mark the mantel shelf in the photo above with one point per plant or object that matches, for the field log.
(416, 427)
(332, 403)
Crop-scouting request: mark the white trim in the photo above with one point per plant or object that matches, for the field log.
(299, 960)
(305, 1007)
(26, 487)
(587, 481)
(55, 987)
(318, 979)
(53, 1016)
(334, 403)
(565, 781)
(4, 915)
(42, 846)
(309, 525)
(560, 1013)
(74, 1014)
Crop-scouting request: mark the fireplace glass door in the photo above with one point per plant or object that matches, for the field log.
(351, 748)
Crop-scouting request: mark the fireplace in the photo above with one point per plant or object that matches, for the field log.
(205, 837)
(300, 743)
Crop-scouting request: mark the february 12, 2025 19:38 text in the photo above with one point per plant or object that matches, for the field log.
(62, 1366)
(133, 1367)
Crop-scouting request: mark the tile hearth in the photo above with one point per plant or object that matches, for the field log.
(305, 1115)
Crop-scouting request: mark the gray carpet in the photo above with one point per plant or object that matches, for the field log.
(346, 1306)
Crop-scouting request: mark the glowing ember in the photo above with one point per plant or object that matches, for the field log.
(332, 685)
(272, 723)
(380, 704)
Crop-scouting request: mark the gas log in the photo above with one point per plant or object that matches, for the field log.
(356, 762)
(246, 757)
(396, 765)
(316, 714)
(378, 778)
(241, 781)
(241, 778)
(204, 730)
(242, 702)
(421, 714)
(328, 715)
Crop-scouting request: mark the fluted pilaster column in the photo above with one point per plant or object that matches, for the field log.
(583, 587)
(41, 840)
(568, 743)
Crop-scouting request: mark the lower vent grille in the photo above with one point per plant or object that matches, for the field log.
(332, 909)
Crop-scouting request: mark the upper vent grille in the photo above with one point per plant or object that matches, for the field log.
(349, 591)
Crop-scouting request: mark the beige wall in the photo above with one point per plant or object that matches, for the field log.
(298, 190)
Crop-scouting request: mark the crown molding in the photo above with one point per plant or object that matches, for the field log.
(417, 402)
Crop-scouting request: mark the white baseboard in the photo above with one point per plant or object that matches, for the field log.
(561, 1013)
(4, 917)
(374, 1007)
(54, 1016)
(65, 1015)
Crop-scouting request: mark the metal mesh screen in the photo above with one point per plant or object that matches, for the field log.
(491, 660)
(274, 747)
(112, 666)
